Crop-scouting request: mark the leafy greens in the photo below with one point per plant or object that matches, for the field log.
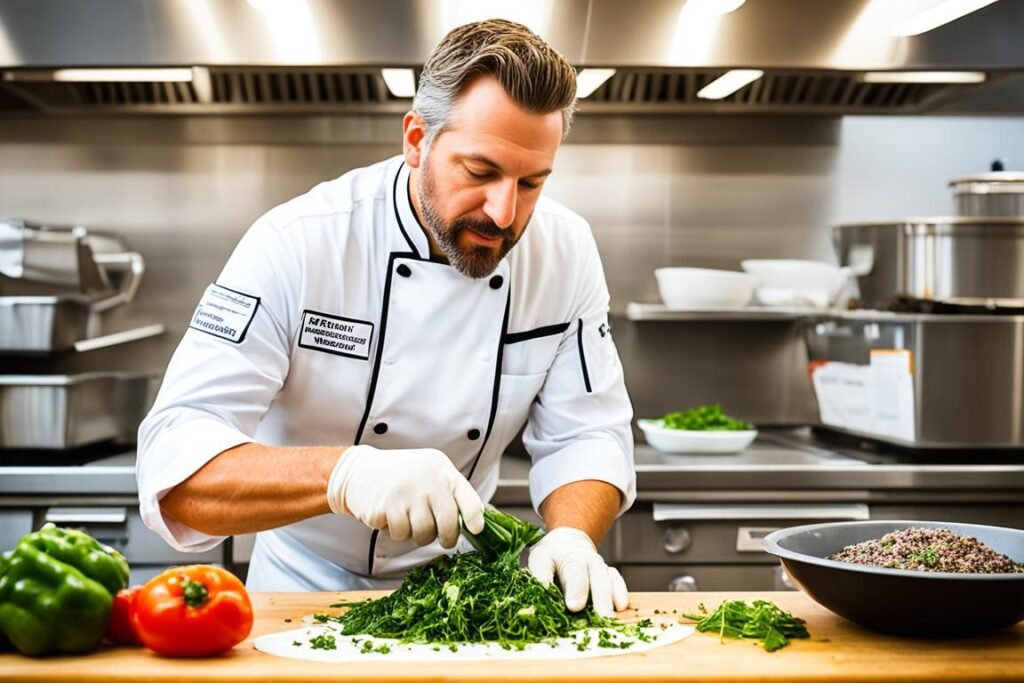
(477, 597)
(704, 418)
(761, 620)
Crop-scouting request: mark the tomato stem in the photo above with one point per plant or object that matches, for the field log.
(195, 593)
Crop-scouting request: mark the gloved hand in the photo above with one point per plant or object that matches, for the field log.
(581, 571)
(416, 492)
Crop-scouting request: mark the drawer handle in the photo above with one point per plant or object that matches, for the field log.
(87, 515)
(748, 538)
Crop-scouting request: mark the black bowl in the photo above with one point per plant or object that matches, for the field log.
(928, 604)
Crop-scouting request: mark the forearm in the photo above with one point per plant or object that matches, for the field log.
(588, 505)
(252, 488)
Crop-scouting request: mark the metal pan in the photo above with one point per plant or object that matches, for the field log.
(67, 411)
(40, 325)
(902, 601)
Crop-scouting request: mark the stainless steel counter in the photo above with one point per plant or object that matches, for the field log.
(781, 464)
(794, 465)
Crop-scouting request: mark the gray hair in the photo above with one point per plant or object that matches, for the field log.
(531, 72)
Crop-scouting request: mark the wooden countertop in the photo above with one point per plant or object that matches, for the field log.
(838, 650)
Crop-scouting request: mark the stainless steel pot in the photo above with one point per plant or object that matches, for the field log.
(972, 261)
(989, 194)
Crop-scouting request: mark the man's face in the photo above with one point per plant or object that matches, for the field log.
(481, 178)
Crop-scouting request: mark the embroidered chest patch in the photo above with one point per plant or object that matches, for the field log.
(335, 334)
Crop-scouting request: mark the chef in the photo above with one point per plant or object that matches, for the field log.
(348, 384)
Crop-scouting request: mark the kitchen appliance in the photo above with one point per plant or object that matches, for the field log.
(937, 359)
(959, 261)
(55, 285)
(899, 601)
(921, 380)
(68, 258)
(683, 547)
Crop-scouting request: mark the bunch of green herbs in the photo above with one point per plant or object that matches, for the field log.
(477, 597)
(760, 620)
(704, 418)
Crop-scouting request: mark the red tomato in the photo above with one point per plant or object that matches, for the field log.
(119, 628)
(192, 611)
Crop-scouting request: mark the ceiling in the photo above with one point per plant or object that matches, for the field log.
(264, 56)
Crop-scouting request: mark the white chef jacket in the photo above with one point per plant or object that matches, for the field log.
(331, 324)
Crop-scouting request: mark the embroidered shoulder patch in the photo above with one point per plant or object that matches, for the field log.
(225, 313)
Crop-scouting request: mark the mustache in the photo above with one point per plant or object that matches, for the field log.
(485, 228)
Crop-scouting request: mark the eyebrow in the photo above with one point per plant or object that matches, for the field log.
(493, 164)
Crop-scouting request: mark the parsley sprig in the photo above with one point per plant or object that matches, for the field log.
(761, 620)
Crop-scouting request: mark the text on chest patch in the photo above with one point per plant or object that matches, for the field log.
(335, 334)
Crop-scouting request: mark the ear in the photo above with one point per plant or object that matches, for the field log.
(414, 134)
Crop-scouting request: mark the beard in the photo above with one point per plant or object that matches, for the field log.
(475, 261)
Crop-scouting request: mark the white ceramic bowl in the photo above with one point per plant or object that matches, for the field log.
(704, 288)
(691, 441)
(792, 282)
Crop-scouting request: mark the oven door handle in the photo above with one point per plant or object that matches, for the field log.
(670, 512)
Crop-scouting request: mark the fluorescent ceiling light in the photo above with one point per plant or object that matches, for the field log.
(728, 83)
(589, 80)
(401, 82)
(923, 77)
(726, 6)
(122, 75)
(936, 16)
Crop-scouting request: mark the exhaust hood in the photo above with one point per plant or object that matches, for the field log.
(273, 56)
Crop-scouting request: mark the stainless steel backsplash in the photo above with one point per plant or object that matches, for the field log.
(658, 191)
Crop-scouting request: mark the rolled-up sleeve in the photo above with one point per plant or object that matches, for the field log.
(579, 426)
(219, 385)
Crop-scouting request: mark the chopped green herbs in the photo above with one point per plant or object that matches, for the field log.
(324, 641)
(704, 418)
(760, 620)
(477, 597)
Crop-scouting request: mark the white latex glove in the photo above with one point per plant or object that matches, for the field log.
(581, 571)
(416, 492)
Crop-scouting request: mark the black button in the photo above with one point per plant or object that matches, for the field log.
(403, 270)
(473, 434)
(496, 282)
(380, 428)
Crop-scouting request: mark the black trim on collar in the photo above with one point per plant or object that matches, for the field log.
(536, 333)
(583, 357)
(496, 388)
(398, 215)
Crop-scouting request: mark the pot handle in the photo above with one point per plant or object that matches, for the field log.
(133, 263)
(861, 258)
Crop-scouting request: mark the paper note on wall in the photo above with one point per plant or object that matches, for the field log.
(874, 399)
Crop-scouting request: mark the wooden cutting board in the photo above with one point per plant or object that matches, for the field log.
(838, 650)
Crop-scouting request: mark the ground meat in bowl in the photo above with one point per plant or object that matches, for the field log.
(929, 550)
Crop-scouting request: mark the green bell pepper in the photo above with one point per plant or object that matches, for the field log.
(56, 591)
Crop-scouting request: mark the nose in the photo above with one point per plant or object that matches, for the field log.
(500, 206)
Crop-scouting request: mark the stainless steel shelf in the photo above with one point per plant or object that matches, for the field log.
(643, 312)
